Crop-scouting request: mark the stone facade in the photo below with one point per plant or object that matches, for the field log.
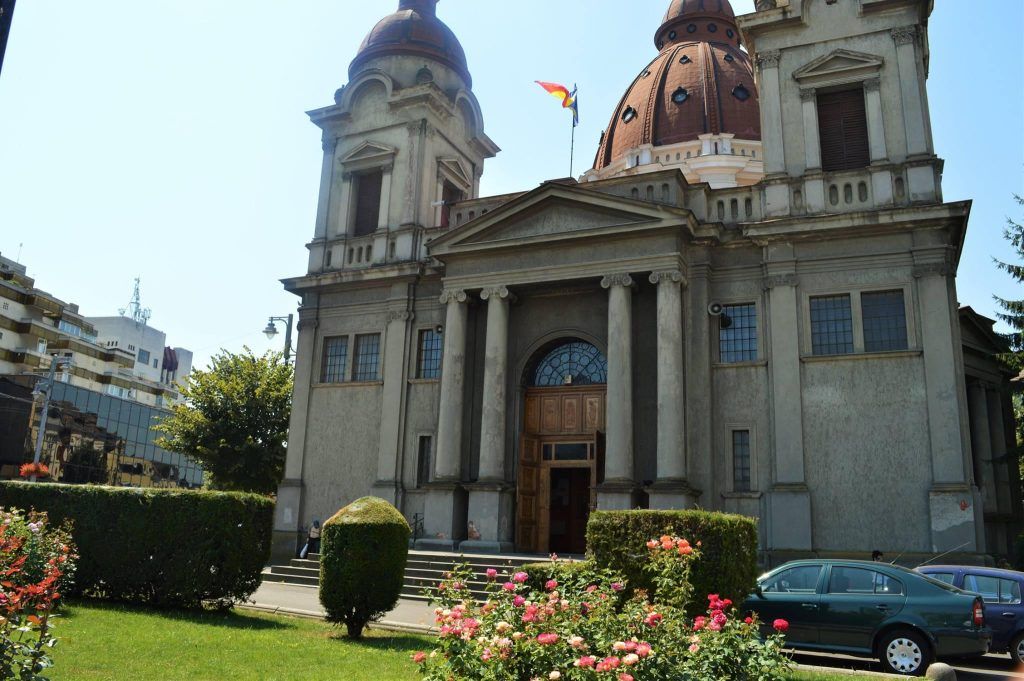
(789, 349)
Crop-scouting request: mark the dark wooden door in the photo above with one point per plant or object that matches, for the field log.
(570, 509)
(528, 496)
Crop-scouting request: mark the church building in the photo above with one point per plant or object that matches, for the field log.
(747, 304)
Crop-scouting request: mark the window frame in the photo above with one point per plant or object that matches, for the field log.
(856, 311)
(379, 364)
(346, 372)
(726, 446)
(758, 349)
(418, 359)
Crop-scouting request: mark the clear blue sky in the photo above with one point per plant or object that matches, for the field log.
(166, 139)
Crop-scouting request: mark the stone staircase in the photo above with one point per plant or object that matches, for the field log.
(423, 571)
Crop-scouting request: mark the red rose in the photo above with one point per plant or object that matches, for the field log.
(781, 626)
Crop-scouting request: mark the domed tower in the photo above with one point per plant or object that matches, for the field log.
(694, 107)
(403, 140)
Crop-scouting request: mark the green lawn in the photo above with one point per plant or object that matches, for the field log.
(114, 642)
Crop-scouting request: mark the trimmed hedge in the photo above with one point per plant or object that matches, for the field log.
(362, 562)
(561, 571)
(157, 546)
(727, 566)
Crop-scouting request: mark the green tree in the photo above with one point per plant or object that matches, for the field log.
(1013, 316)
(234, 421)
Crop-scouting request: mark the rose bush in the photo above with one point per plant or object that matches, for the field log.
(36, 563)
(586, 627)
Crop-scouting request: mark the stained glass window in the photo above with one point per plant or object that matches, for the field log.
(574, 363)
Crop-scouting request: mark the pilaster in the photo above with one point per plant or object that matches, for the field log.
(915, 125)
(395, 363)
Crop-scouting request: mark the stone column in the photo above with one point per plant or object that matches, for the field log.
(814, 182)
(954, 519)
(490, 501)
(981, 444)
(394, 362)
(288, 510)
(881, 178)
(769, 85)
(789, 501)
(671, 489)
(997, 436)
(617, 490)
(330, 143)
(444, 514)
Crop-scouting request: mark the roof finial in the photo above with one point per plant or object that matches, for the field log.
(421, 6)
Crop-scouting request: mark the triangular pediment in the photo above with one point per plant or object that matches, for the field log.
(839, 65)
(454, 168)
(555, 213)
(368, 151)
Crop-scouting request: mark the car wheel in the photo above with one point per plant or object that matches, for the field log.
(904, 652)
(1017, 649)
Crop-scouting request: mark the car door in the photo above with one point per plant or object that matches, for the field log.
(1002, 604)
(855, 603)
(790, 594)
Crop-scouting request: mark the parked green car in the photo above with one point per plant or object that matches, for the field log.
(901, 617)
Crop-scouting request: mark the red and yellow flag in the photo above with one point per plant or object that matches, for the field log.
(567, 98)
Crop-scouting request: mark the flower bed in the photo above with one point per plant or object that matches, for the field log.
(587, 627)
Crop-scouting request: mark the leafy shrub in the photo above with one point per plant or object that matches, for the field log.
(37, 562)
(581, 629)
(729, 563)
(157, 546)
(362, 561)
(563, 571)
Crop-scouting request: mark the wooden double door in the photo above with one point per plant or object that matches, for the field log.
(561, 456)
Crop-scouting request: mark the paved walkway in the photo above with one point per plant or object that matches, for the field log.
(304, 601)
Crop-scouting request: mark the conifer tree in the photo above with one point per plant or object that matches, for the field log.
(1013, 309)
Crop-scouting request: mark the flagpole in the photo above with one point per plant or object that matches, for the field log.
(572, 148)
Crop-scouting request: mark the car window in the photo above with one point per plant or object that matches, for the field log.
(946, 577)
(847, 580)
(802, 579)
(994, 589)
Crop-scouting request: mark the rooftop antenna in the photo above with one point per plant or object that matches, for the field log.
(135, 310)
(18, 259)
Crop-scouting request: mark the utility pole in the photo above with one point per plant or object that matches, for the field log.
(46, 388)
(6, 16)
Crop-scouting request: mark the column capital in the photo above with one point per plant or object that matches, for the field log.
(347, 176)
(769, 59)
(904, 35)
(621, 279)
(808, 94)
(329, 142)
(663, 276)
(873, 84)
(932, 269)
(499, 292)
(307, 324)
(776, 280)
(401, 316)
(453, 295)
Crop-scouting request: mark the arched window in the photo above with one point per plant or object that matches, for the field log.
(575, 362)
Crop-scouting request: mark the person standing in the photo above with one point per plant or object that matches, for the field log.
(314, 537)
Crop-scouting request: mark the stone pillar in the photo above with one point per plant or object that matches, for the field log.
(699, 417)
(776, 192)
(789, 502)
(490, 499)
(914, 121)
(394, 362)
(954, 519)
(814, 181)
(288, 510)
(444, 516)
(671, 489)
(981, 444)
(330, 143)
(617, 491)
(997, 437)
(881, 178)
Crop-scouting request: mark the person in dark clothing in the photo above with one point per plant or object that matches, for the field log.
(314, 537)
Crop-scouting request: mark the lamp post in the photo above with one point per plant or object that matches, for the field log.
(44, 388)
(271, 331)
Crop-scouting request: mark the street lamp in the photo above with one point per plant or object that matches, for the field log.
(271, 331)
(44, 388)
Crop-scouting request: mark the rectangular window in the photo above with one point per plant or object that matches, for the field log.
(428, 363)
(741, 460)
(450, 195)
(335, 360)
(885, 321)
(41, 346)
(831, 325)
(367, 193)
(143, 356)
(843, 129)
(423, 461)
(367, 359)
(737, 337)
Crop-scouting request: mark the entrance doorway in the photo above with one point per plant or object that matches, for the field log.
(561, 449)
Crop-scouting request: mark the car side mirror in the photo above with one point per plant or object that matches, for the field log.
(758, 591)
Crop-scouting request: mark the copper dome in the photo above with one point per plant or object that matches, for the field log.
(414, 30)
(700, 82)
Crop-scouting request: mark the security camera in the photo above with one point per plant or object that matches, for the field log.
(715, 309)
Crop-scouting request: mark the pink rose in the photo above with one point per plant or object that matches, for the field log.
(508, 586)
(551, 585)
(491, 574)
(625, 677)
(643, 649)
(419, 657)
(547, 639)
(616, 586)
(518, 601)
(585, 662)
(520, 577)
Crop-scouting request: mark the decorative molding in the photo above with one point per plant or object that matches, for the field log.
(401, 316)
(872, 84)
(621, 279)
(763, 5)
(769, 59)
(307, 324)
(904, 35)
(329, 143)
(453, 295)
(671, 276)
(778, 280)
(808, 94)
(499, 292)
(931, 269)
(347, 176)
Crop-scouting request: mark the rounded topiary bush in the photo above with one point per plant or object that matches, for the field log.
(362, 560)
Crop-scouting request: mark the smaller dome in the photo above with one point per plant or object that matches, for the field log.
(414, 30)
(698, 20)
